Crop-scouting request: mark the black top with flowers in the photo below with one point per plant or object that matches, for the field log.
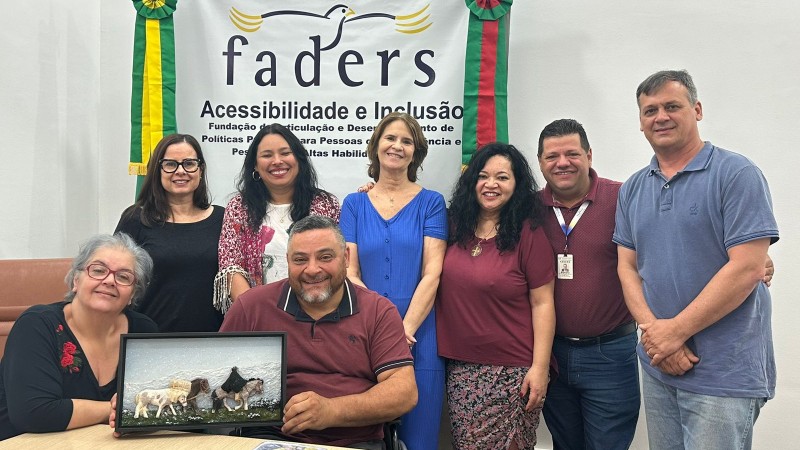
(43, 368)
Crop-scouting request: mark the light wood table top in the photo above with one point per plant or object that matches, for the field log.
(100, 437)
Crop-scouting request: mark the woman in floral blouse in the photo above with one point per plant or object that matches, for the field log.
(60, 364)
(277, 187)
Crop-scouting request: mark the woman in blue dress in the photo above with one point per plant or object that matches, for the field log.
(397, 234)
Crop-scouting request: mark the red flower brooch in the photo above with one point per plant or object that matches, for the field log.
(70, 361)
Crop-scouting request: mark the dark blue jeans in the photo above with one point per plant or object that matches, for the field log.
(594, 401)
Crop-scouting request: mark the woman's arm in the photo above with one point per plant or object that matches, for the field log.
(422, 301)
(353, 266)
(232, 279)
(348, 223)
(544, 326)
(33, 378)
(434, 244)
(87, 412)
(239, 285)
(231, 251)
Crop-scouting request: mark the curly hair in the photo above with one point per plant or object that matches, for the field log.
(255, 194)
(525, 203)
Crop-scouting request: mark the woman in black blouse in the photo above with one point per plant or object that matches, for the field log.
(174, 221)
(60, 363)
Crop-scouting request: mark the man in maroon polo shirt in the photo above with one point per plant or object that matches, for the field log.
(349, 368)
(594, 402)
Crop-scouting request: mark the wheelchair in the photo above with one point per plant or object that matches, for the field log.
(390, 437)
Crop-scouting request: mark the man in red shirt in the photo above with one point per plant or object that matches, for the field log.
(594, 402)
(349, 368)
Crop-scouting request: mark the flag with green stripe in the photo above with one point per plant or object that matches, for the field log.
(485, 75)
(153, 93)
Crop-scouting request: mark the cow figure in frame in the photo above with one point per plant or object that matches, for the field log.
(160, 398)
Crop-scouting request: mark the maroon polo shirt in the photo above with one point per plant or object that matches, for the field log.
(340, 354)
(591, 303)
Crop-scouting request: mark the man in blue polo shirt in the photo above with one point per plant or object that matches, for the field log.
(693, 229)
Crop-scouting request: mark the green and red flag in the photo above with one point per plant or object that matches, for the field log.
(485, 75)
(153, 97)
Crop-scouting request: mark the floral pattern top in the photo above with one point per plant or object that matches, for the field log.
(44, 368)
(70, 355)
(240, 248)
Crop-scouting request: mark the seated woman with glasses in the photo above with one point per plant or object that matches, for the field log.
(277, 187)
(60, 364)
(175, 223)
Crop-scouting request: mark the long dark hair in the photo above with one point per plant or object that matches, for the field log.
(254, 192)
(152, 199)
(524, 204)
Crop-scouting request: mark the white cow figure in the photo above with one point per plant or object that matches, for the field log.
(160, 398)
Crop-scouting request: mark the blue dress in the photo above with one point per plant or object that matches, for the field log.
(390, 256)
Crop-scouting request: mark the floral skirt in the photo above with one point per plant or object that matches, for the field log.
(486, 410)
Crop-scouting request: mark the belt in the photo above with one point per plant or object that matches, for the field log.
(622, 330)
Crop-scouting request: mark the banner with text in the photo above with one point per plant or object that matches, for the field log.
(327, 71)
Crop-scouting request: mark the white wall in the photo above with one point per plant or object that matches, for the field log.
(65, 106)
(584, 59)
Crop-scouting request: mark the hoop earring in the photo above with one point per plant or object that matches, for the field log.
(255, 175)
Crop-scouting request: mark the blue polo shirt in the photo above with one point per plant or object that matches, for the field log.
(681, 230)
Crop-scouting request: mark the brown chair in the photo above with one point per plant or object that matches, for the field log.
(28, 282)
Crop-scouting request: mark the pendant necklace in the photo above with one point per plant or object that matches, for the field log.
(477, 249)
(388, 197)
(283, 218)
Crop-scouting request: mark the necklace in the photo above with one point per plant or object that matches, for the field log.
(388, 197)
(282, 217)
(286, 210)
(477, 249)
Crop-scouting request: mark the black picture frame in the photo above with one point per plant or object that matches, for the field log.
(156, 369)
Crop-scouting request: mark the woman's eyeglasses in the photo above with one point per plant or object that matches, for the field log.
(123, 277)
(170, 165)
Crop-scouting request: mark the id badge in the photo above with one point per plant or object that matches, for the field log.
(564, 267)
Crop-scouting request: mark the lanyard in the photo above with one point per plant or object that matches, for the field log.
(567, 229)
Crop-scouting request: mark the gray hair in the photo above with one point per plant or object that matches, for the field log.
(655, 81)
(143, 263)
(312, 222)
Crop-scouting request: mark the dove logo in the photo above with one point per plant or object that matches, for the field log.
(336, 19)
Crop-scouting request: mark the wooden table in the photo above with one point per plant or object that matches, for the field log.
(100, 437)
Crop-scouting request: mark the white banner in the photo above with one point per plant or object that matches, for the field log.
(327, 71)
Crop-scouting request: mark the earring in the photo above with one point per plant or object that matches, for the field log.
(255, 175)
